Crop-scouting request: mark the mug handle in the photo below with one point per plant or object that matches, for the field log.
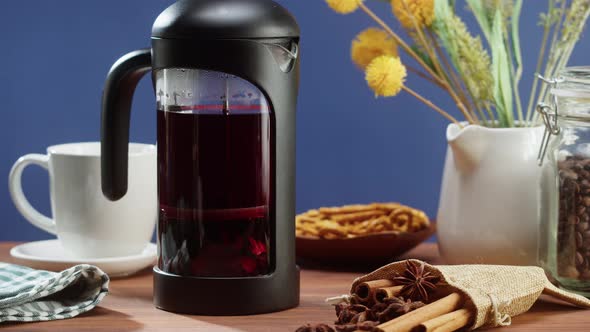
(18, 196)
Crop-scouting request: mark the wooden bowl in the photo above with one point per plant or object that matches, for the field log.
(372, 249)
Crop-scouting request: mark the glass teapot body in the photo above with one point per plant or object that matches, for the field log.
(215, 169)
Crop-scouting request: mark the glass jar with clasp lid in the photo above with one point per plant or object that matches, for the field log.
(565, 182)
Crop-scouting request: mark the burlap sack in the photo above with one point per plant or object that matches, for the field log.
(494, 292)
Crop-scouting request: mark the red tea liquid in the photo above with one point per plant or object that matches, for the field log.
(214, 180)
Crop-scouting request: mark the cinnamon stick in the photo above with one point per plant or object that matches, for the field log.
(407, 322)
(446, 323)
(354, 299)
(365, 289)
(381, 294)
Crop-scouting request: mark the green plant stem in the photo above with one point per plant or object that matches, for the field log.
(515, 81)
(427, 47)
(454, 73)
(553, 56)
(454, 81)
(431, 53)
(411, 52)
(477, 106)
(490, 113)
(556, 35)
(428, 78)
(431, 105)
(518, 101)
(571, 28)
(571, 45)
(546, 29)
(441, 54)
(481, 114)
(400, 41)
(487, 121)
(447, 76)
(513, 46)
(421, 74)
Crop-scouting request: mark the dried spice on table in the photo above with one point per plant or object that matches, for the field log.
(354, 316)
(351, 313)
(369, 326)
(315, 328)
(445, 312)
(394, 307)
(460, 297)
(418, 283)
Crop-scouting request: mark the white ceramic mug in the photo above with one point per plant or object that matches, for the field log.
(86, 223)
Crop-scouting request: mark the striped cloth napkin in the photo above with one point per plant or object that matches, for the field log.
(28, 295)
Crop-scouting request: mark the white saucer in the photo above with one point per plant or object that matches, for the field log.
(50, 255)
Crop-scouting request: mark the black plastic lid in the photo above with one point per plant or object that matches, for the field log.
(225, 19)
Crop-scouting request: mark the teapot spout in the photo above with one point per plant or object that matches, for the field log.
(467, 145)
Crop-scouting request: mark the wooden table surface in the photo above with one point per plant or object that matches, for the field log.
(129, 307)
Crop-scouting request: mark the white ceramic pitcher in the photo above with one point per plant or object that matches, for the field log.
(489, 202)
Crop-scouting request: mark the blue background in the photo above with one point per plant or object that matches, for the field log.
(54, 56)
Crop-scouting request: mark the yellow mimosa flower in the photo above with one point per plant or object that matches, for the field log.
(408, 11)
(386, 75)
(344, 6)
(370, 44)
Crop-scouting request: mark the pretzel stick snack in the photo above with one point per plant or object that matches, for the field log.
(358, 220)
(355, 217)
(346, 209)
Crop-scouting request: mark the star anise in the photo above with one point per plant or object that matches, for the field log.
(417, 282)
(340, 306)
(346, 313)
(368, 326)
(315, 328)
(365, 316)
(397, 306)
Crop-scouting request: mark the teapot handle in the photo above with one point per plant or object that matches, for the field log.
(116, 111)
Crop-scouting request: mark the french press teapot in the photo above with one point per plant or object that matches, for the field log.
(226, 76)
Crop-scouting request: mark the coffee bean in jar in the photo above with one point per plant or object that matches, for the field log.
(573, 232)
(564, 155)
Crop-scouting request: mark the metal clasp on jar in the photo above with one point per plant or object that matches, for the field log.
(549, 115)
